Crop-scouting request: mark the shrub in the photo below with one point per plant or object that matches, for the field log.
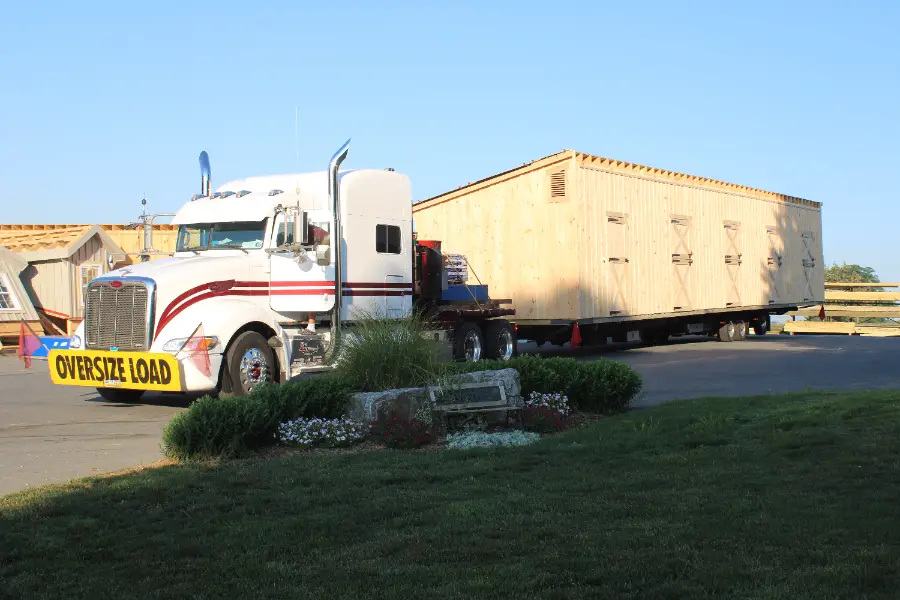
(466, 440)
(228, 427)
(330, 433)
(382, 354)
(398, 433)
(541, 419)
(598, 386)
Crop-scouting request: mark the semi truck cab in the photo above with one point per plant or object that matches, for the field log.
(254, 260)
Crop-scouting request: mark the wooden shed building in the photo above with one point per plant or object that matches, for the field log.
(580, 238)
(61, 259)
(15, 304)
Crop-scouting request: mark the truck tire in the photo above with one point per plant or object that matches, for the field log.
(468, 342)
(117, 395)
(761, 327)
(740, 331)
(726, 332)
(249, 362)
(499, 340)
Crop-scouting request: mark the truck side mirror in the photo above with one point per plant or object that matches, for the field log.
(301, 228)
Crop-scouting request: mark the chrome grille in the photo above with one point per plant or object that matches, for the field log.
(117, 318)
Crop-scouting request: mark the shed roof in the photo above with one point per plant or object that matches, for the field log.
(52, 242)
(609, 164)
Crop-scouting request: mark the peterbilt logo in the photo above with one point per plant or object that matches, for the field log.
(221, 286)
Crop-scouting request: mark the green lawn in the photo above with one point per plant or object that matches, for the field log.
(780, 497)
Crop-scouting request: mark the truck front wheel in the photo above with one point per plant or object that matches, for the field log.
(468, 343)
(249, 363)
(499, 340)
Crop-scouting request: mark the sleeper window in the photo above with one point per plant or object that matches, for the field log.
(7, 299)
(387, 239)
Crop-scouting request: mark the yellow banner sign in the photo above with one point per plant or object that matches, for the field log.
(127, 370)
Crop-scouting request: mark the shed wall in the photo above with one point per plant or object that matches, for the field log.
(132, 240)
(49, 285)
(92, 255)
(604, 248)
(515, 240)
(23, 301)
(711, 229)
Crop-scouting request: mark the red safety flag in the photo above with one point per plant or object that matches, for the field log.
(197, 349)
(29, 342)
(822, 313)
(576, 337)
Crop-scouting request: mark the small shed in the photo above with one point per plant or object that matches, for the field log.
(15, 305)
(61, 259)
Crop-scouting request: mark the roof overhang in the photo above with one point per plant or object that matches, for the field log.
(13, 259)
(62, 253)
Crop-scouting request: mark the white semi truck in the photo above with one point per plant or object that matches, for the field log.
(254, 261)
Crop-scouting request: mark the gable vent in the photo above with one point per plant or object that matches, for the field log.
(558, 184)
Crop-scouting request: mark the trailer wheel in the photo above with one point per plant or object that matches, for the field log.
(468, 343)
(761, 327)
(117, 395)
(726, 332)
(740, 331)
(249, 363)
(499, 340)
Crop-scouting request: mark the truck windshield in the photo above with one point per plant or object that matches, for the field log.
(212, 236)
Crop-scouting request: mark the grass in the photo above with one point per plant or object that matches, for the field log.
(778, 497)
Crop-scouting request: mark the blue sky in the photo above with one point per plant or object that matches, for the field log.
(103, 103)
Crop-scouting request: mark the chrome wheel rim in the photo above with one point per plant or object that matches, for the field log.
(505, 344)
(472, 346)
(730, 330)
(254, 369)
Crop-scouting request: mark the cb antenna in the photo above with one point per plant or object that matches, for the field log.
(297, 134)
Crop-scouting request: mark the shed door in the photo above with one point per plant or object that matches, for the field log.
(774, 259)
(617, 258)
(809, 263)
(682, 259)
(732, 231)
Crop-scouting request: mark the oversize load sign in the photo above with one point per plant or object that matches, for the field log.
(128, 370)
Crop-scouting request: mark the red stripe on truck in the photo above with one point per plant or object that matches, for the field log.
(228, 288)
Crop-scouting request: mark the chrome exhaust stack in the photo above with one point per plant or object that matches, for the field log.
(337, 236)
(205, 174)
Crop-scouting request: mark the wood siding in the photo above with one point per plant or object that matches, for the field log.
(132, 240)
(91, 255)
(628, 241)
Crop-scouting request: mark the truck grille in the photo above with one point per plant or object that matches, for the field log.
(117, 318)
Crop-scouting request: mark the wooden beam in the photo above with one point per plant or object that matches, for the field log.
(819, 327)
(11, 328)
(872, 312)
(863, 296)
(878, 331)
(860, 285)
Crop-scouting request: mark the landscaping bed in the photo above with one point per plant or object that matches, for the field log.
(790, 496)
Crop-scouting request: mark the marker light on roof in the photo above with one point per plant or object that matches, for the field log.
(276, 192)
(226, 194)
(242, 193)
(216, 195)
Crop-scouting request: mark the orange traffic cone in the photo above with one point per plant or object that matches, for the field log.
(576, 337)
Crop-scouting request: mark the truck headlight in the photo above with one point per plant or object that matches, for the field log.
(197, 344)
(75, 342)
